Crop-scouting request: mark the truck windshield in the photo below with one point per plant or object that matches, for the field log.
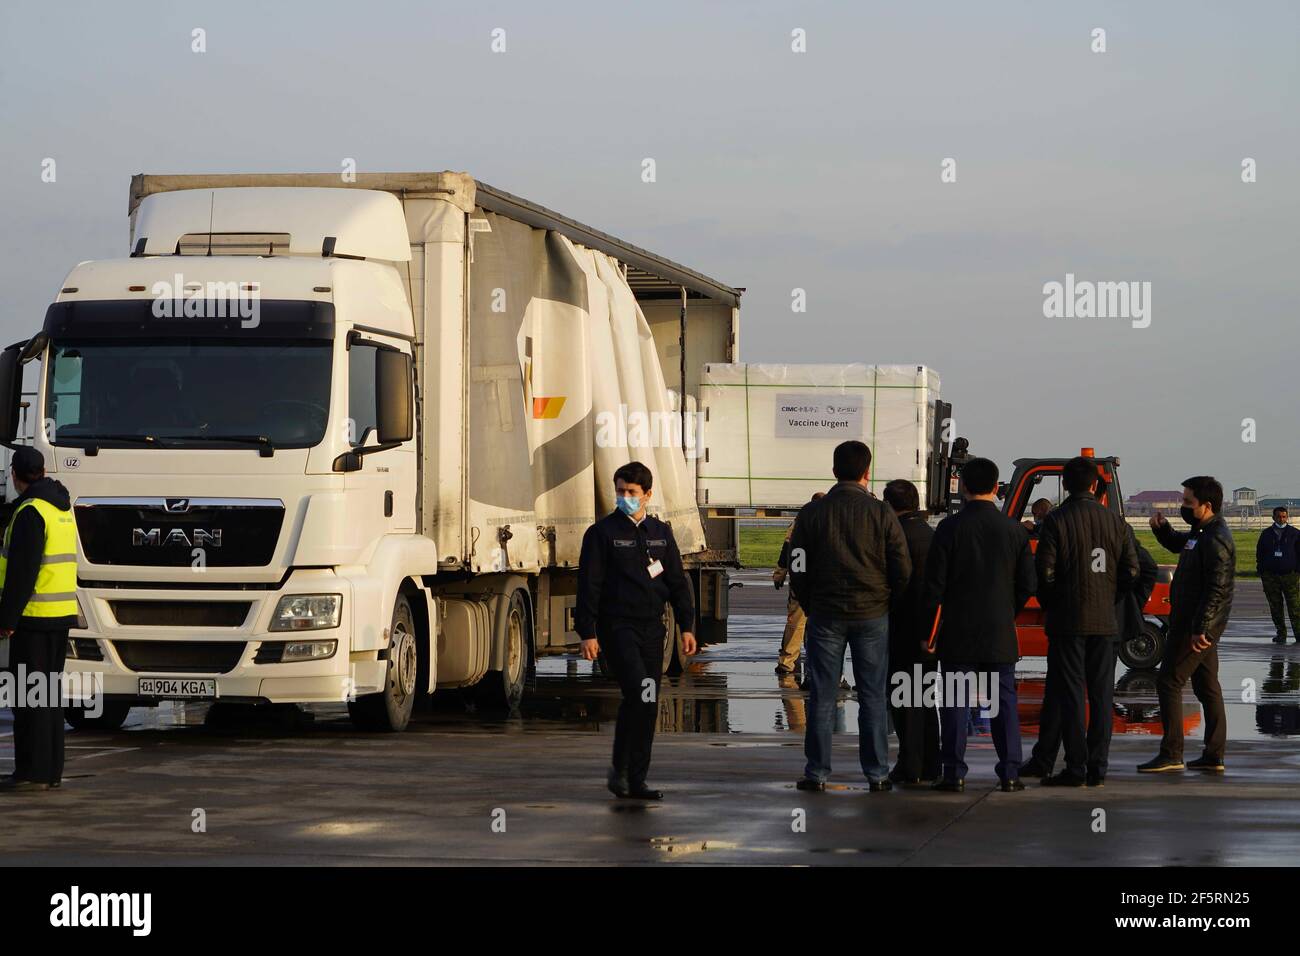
(199, 392)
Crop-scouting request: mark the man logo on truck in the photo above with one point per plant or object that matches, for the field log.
(154, 537)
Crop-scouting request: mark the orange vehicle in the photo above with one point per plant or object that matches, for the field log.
(1142, 652)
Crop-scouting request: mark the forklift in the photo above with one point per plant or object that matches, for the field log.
(1140, 653)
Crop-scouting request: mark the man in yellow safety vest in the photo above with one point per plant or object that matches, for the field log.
(38, 604)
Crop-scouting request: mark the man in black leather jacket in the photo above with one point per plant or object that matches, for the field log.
(1201, 599)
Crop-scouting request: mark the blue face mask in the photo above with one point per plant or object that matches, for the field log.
(629, 504)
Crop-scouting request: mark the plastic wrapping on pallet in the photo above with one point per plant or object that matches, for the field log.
(769, 431)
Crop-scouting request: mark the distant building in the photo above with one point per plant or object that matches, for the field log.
(1266, 505)
(1243, 504)
(1147, 502)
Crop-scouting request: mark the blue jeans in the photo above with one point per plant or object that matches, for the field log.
(825, 642)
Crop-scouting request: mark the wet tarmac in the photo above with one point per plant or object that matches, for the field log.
(463, 786)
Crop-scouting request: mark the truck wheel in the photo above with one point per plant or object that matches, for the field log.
(112, 717)
(1144, 651)
(504, 689)
(390, 709)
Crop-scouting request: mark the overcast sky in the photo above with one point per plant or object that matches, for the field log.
(776, 170)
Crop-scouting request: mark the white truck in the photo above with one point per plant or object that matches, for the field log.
(339, 441)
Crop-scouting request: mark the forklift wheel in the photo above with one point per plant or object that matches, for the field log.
(1144, 651)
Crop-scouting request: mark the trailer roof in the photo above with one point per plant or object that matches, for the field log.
(649, 275)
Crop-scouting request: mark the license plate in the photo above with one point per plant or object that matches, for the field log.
(177, 687)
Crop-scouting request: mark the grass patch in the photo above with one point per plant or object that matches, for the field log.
(761, 544)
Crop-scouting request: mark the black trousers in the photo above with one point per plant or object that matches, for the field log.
(1179, 665)
(634, 652)
(38, 731)
(1079, 668)
(917, 729)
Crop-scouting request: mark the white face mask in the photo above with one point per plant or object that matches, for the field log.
(1279, 525)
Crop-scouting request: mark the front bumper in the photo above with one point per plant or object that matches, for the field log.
(202, 634)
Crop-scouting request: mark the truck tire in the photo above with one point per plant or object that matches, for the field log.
(504, 689)
(1144, 651)
(390, 709)
(112, 717)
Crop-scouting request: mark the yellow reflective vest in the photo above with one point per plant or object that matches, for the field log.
(56, 582)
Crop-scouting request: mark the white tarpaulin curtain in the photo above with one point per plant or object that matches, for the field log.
(565, 386)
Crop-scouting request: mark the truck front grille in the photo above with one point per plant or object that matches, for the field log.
(179, 532)
(189, 657)
(180, 613)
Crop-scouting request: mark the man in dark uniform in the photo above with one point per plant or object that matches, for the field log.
(978, 575)
(1200, 600)
(1277, 557)
(38, 605)
(1086, 562)
(629, 569)
(916, 724)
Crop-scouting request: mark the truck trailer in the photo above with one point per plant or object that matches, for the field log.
(338, 440)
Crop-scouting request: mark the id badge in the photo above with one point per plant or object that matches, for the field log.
(1190, 545)
(655, 568)
(1277, 554)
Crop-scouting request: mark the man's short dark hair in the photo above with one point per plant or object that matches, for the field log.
(1207, 490)
(635, 473)
(28, 464)
(1280, 509)
(852, 459)
(1078, 475)
(902, 496)
(980, 476)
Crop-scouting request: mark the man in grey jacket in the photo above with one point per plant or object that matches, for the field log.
(848, 560)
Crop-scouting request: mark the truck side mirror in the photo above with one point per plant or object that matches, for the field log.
(395, 416)
(11, 393)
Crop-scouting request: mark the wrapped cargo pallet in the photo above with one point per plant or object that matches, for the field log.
(769, 431)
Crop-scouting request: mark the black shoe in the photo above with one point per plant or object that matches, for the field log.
(639, 791)
(1095, 779)
(783, 670)
(1064, 779)
(1161, 764)
(1034, 768)
(879, 786)
(1012, 786)
(895, 776)
(949, 786)
(11, 785)
(1206, 763)
(808, 783)
(1280, 639)
(617, 783)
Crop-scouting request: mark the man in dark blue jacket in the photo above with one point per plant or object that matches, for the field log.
(628, 570)
(978, 575)
(1277, 556)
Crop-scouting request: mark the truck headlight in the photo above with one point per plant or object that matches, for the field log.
(307, 650)
(306, 612)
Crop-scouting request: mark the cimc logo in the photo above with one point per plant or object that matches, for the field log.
(77, 909)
